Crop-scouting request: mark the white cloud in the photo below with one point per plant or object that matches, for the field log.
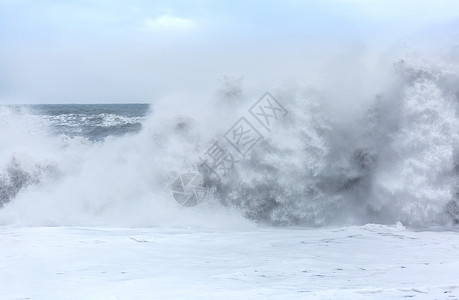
(411, 10)
(169, 22)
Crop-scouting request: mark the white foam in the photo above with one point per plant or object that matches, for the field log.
(390, 160)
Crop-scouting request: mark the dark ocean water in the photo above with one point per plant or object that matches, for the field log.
(92, 121)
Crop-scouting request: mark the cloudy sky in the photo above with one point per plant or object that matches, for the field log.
(137, 51)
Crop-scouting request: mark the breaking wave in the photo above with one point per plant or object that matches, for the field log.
(346, 154)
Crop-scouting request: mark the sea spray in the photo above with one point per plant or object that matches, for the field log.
(393, 157)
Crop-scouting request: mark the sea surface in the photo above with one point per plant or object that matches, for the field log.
(92, 121)
(394, 158)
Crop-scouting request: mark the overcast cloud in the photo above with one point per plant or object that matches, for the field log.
(138, 51)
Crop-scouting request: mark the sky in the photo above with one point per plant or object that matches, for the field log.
(116, 51)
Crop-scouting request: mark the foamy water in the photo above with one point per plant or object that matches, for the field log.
(346, 153)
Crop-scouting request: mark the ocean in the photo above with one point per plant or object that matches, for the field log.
(293, 156)
(92, 121)
(312, 196)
